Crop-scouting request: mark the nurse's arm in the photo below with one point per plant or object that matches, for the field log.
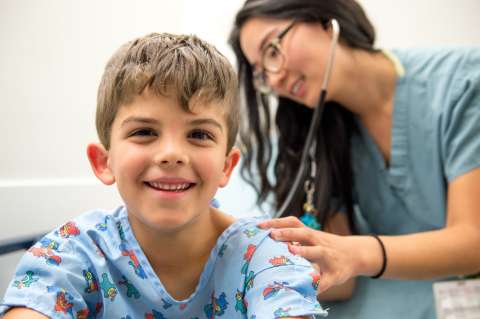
(453, 250)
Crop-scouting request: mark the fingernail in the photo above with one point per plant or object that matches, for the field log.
(290, 248)
(275, 233)
(293, 249)
(262, 225)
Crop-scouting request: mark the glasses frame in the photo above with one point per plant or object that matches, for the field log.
(260, 78)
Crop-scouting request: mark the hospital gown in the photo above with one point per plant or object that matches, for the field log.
(93, 267)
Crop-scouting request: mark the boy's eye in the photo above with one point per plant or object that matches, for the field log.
(201, 135)
(143, 132)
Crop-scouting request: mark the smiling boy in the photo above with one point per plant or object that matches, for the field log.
(167, 119)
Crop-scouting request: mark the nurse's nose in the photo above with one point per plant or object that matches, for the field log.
(277, 80)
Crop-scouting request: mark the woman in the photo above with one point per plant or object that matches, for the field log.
(398, 152)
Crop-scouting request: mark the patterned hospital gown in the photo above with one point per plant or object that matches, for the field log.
(93, 267)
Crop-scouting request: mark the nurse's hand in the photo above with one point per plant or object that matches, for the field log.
(338, 258)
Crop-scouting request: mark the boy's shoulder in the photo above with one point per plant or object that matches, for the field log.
(244, 231)
(91, 233)
(76, 263)
(244, 240)
(98, 221)
(240, 236)
(263, 273)
(102, 222)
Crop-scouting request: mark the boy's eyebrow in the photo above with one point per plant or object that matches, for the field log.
(207, 121)
(146, 120)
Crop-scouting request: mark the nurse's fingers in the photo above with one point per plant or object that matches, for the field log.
(285, 222)
(325, 283)
(312, 253)
(317, 255)
(304, 235)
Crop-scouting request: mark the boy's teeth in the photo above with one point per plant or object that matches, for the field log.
(169, 187)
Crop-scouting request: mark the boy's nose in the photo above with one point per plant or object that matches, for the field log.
(171, 156)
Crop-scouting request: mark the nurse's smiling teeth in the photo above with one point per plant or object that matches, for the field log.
(297, 86)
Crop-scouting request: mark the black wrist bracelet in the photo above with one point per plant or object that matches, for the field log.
(384, 254)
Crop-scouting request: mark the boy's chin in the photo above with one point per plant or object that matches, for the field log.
(172, 224)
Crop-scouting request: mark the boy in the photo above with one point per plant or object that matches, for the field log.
(167, 119)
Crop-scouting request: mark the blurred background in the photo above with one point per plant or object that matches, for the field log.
(52, 54)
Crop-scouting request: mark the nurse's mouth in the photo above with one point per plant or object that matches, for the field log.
(298, 87)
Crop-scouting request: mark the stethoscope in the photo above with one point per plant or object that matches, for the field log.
(310, 147)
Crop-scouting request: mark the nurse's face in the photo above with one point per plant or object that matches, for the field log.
(305, 48)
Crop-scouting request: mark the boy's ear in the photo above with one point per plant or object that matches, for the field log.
(230, 162)
(98, 157)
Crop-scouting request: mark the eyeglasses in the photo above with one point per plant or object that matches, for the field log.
(272, 61)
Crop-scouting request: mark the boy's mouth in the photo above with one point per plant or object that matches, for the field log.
(170, 187)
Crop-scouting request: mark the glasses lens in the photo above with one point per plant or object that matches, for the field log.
(273, 59)
(260, 82)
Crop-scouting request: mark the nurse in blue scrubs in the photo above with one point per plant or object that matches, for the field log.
(397, 194)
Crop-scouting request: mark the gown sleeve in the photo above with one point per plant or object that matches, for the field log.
(54, 278)
(279, 284)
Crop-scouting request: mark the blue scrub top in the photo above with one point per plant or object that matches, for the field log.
(435, 138)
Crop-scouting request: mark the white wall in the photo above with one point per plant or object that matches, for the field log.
(52, 53)
(410, 23)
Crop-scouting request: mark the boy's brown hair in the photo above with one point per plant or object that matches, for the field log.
(182, 65)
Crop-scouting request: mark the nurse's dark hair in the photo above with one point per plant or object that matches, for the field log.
(334, 185)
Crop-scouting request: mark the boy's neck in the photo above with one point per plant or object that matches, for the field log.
(182, 255)
(173, 249)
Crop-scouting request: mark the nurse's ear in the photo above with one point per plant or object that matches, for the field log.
(98, 158)
(328, 27)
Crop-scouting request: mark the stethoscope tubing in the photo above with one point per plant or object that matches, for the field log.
(309, 148)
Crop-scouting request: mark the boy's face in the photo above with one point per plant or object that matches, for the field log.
(167, 163)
